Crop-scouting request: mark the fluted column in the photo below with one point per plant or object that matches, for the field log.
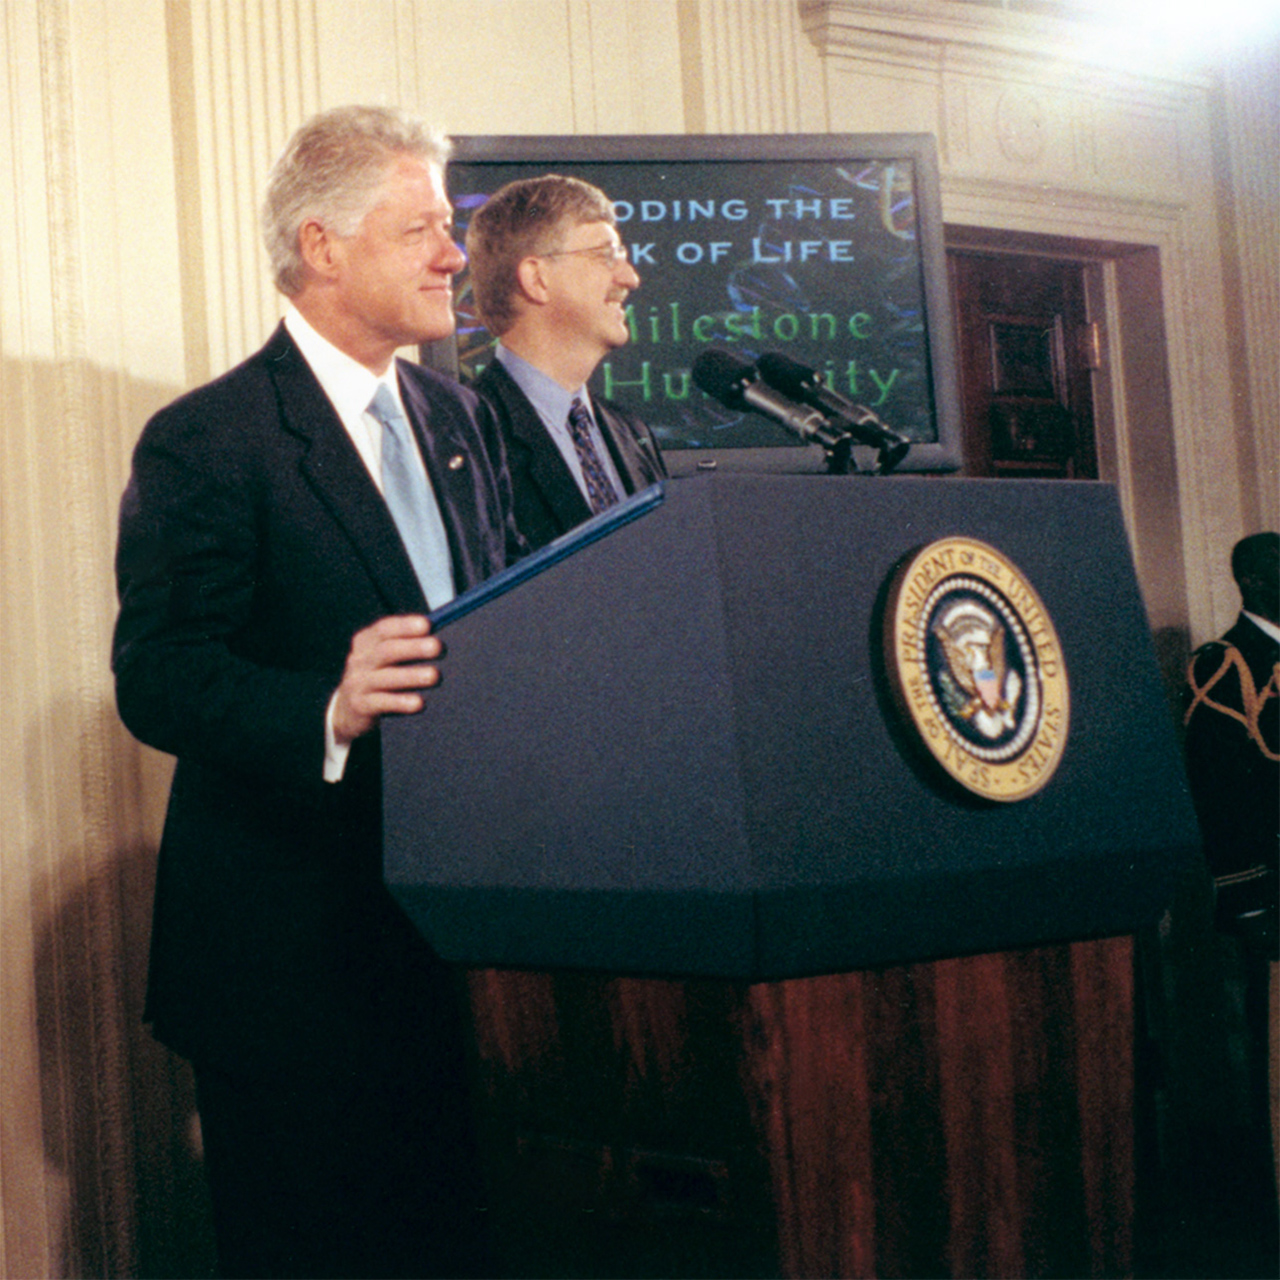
(1251, 146)
(72, 789)
(244, 77)
(750, 68)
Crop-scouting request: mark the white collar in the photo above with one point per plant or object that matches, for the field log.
(348, 384)
(1269, 628)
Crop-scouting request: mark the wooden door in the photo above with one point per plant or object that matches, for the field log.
(1025, 352)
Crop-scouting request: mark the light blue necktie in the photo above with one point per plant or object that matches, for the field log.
(413, 505)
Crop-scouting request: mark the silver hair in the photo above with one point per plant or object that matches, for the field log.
(332, 170)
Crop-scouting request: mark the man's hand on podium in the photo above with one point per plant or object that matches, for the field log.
(389, 664)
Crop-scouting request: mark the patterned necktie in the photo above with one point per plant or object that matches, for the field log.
(413, 506)
(600, 491)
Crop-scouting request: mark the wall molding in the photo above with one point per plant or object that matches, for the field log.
(922, 29)
(1040, 132)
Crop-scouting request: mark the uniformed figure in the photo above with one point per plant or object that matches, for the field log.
(1233, 760)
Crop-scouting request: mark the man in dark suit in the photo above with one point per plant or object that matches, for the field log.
(283, 534)
(550, 277)
(1233, 761)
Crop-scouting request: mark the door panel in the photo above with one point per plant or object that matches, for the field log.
(1023, 343)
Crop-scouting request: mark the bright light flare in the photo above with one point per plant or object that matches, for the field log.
(1185, 31)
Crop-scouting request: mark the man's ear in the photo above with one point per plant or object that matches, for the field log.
(319, 249)
(532, 278)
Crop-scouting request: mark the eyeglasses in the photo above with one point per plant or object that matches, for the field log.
(612, 255)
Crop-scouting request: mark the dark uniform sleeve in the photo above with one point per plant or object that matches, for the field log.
(1233, 787)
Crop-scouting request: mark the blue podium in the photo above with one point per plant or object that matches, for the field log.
(672, 753)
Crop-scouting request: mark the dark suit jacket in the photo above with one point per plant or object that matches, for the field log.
(253, 545)
(548, 502)
(1233, 761)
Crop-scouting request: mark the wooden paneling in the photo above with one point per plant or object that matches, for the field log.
(969, 1117)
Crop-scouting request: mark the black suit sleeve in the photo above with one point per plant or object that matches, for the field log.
(635, 451)
(198, 671)
(495, 445)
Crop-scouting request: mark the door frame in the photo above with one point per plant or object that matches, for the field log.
(1132, 410)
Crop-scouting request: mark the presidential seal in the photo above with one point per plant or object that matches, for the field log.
(977, 668)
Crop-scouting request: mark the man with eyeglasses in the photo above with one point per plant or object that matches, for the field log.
(550, 278)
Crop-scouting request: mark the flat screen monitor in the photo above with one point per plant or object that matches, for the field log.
(826, 248)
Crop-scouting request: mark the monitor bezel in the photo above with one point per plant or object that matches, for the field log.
(561, 153)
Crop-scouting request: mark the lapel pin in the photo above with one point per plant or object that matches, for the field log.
(457, 462)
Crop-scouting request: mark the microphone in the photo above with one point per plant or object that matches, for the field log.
(797, 381)
(736, 384)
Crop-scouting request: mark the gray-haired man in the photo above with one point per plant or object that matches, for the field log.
(283, 534)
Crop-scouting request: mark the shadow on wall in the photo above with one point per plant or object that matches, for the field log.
(1173, 652)
(120, 1128)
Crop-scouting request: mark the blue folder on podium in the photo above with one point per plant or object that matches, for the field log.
(664, 747)
(599, 526)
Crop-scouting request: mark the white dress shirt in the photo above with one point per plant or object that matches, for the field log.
(350, 388)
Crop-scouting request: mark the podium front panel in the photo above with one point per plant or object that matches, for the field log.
(673, 753)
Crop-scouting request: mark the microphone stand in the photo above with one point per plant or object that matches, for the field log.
(840, 456)
(840, 451)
